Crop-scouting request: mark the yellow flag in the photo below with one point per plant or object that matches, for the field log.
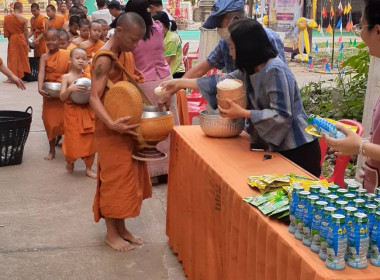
(349, 8)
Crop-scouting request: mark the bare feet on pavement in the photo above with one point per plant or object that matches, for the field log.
(50, 155)
(90, 173)
(69, 167)
(126, 235)
(119, 244)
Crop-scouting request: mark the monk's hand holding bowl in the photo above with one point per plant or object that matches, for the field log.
(43, 93)
(235, 111)
(121, 125)
(77, 88)
(347, 146)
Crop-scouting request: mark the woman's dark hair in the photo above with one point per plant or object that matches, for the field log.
(252, 46)
(163, 18)
(174, 25)
(372, 13)
(141, 7)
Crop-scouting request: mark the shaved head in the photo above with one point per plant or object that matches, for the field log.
(17, 6)
(130, 20)
(52, 31)
(73, 51)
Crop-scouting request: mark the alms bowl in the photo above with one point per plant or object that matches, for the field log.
(82, 97)
(52, 89)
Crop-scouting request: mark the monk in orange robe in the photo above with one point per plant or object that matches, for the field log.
(38, 24)
(16, 30)
(93, 44)
(63, 10)
(84, 32)
(53, 65)
(79, 119)
(123, 183)
(55, 21)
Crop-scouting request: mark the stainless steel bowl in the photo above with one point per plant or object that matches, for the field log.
(150, 112)
(31, 42)
(84, 96)
(214, 125)
(53, 89)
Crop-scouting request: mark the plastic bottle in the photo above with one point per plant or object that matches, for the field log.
(316, 226)
(323, 193)
(349, 213)
(314, 189)
(341, 193)
(292, 207)
(308, 218)
(377, 203)
(370, 210)
(331, 199)
(375, 241)
(349, 197)
(340, 205)
(352, 188)
(323, 125)
(358, 242)
(377, 192)
(360, 204)
(336, 243)
(324, 230)
(360, 193)
(300, 209)
(334, 189)
(370, 198)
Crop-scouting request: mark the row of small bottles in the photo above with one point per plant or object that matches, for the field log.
(338, 224)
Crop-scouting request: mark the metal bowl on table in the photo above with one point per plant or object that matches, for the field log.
(52, 89)
(84, 96)
(214, 125)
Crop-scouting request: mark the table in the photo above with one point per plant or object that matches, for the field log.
(217, 235)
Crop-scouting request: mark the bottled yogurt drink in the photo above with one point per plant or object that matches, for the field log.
(377, 202)
(377, 192)
(333, 188)
(316, 226)
(375, 241)
(370, 210)
(340, 205)
(331, 199)
(314, 189)
(352, 188)
(323, 193)
(300, 209)
(370, 198)
(349, 197)
(349, 213)
(324, 230)
(358, 242)
(336, 243)
(360, 193)
(292, 207)
(308, 218)
(341, 193)
(359, 203)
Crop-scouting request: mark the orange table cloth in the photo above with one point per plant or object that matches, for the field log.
(217, 235)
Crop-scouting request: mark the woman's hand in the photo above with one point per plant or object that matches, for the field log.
(346, 146)
(18, 82)
(234, 112)
(121, 125)
(168, 88)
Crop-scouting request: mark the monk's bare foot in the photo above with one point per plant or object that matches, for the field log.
(69, 167)
(50, 156)
(90, 173)
(118, 244)
(126, 235)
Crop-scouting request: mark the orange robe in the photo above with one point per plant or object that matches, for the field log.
(71, 47)
(91, 50)
(123, 183)
(79, 140)
(18, 61)
(38, 27)
(57, 22)
(52, 108)
(65, 16)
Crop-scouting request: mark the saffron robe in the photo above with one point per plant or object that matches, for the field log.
(17, 61)
(123, 183)
(57, 22)
(53, 108)
(38, 28)
(91, 50)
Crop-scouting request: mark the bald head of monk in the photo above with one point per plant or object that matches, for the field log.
(64, 38)
(130, 29)
(50, 11)
(35, 9)
(17, 7)
(52, 39)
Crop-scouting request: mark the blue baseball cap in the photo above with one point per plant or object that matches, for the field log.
(218, 10)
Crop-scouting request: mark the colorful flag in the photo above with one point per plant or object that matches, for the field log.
(319, 28)
(256, 7)
(350, 44)
(340, 7)
(340, 56)
(354, 44)
(339, 24)
(316, 47)
(327, 67)
(341, 29)
(311, 66)
(324, 12)
(340, 39)
(324, 61)
(329, 30)
(345, 10)
(327, 44)
(341, 47)
(349, 8)
(332, 12)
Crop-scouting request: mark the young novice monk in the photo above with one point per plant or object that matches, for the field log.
(94, 43)
(38, 25)
(53, 65)
(84, 32)
(55, 21)
(73, 27)
(105, 29)
(79, 120)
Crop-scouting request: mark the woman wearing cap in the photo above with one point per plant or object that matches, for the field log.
(150, 60)
(353, 144)
(275, 112)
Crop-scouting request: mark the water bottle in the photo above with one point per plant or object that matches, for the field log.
(334, 189)
(316, 226)
(370, 210)
(349, 197)
(314, 189)
(358, 242)
(360, 193)
(341, 193)
(375, 241)
(308, 218)
(292, 207)
(352, 188)
(300, 209)
(323, 193)
(331, 199)
(370, 198)
(360, 204)
(324, 230)
(349, 213)
(377, 192)
(322, 125)
(340, 205)
(336, 243)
